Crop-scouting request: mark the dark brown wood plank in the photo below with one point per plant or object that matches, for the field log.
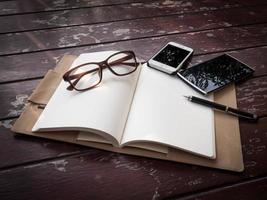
(253, 189)
(125, 30)
(13, 101)
(251, 96)
(91, 175)
(28, 6)
(203, 42)
(15, 97)
(250, 91)
(96, 173)
(107, 14)
(174, 179)
(254, 140)
(18, 149)
(251, 3)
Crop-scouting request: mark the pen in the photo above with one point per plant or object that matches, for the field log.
(223, 108)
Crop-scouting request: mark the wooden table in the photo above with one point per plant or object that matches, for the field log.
(35, 34)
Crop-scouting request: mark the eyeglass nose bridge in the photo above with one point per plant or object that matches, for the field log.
(103, 64)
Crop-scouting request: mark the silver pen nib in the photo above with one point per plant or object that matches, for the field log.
(188, 97)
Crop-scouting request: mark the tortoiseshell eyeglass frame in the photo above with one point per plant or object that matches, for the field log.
(68, 77)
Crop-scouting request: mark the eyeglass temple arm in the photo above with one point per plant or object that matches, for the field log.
(80, 75)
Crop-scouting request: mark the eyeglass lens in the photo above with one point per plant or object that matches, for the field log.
(122, 63)
(87, 76)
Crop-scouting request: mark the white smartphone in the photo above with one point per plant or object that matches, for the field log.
(170, 58)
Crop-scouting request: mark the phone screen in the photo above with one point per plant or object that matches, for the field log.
(216, 73)
(171, 55)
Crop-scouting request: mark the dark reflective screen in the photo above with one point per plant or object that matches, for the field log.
(171, 55)
(217, 72)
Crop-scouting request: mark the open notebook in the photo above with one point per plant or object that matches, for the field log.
(145, 109)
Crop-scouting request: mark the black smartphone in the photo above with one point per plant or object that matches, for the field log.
(216, 73)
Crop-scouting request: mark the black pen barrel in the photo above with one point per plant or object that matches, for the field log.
(208, 103)
(224, 108)
(243, 114)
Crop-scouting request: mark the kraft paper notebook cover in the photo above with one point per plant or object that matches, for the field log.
(227, 128)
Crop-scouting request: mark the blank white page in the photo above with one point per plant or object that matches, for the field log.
(103, 108)
(161, 114)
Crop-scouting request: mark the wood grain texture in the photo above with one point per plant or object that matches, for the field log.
(90, 175)
(250, 96)
(64, 18)
(28, 6)
(257, 190)
(251, 3)
(250, 91)
(203, 42)
(32, 168)
(124, 30)
(14, 97)
(18, 149)
(254, 141)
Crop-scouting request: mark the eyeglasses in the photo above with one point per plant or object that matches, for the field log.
(88, 75)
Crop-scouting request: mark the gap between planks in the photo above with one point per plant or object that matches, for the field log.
(75, 8)
(143, 37)
(195, 55)
(220, 188)
(135, 18)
